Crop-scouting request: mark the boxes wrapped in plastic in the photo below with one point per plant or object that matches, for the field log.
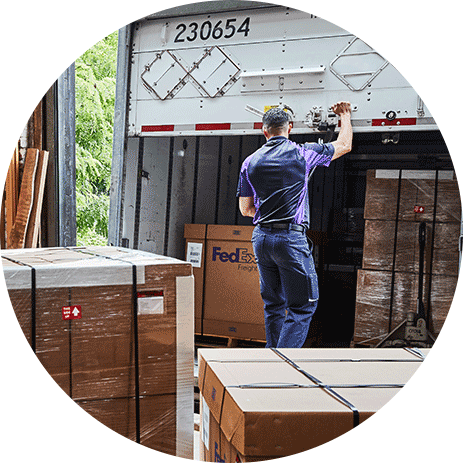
(114, 328)
(383, 302)
(396, 203)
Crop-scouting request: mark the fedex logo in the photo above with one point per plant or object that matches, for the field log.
(217, 457)
(241, 255)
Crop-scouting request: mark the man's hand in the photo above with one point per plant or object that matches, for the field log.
(344, 142)
(342, 107)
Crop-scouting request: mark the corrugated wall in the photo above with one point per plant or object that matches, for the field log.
(173, 181)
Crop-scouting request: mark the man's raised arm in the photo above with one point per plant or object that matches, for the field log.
(343, 144)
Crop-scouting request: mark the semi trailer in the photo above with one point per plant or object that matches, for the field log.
(192, 85)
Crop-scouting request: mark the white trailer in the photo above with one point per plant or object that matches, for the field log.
(197, 74)
(192, 84)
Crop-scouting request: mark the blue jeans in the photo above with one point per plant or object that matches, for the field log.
(288, 284)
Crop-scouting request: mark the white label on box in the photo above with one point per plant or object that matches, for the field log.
(194, 253)
(151, 305)
(205, 424)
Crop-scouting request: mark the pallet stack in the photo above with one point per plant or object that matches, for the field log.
(114, 328)
(387, 286)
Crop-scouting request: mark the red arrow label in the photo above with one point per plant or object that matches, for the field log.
(72, 312)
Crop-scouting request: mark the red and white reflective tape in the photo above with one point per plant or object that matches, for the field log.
(394, 122)
(189, 127)
(245, 126)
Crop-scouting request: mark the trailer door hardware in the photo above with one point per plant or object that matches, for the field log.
(357, 73)
(212, 74)
(282, 79)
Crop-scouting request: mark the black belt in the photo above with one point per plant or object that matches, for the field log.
(283, 226)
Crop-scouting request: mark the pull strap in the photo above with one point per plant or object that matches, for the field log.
(325, 387)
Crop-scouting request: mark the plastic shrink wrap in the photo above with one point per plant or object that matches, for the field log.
(114, 328)
(396, 203)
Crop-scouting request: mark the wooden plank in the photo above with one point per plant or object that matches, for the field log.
(32, 234)
(17, 236)
(2, 223)
(37, 127)
(12, 192)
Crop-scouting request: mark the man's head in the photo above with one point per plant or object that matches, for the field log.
(276, 121)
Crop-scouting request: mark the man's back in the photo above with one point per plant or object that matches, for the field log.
(277, 174)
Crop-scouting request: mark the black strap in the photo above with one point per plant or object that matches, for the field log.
(33, 310)
(135, 333)
(136, 355)
(415, 351)
(325, 387)
(313, 386)
(394, 252)
(33, 301)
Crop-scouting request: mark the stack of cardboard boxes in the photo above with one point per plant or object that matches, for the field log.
(261, 404)
(387, 286)
(113, 327)
(227, 289)
(227, 301)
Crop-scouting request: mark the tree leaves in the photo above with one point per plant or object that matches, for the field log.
(95, 98)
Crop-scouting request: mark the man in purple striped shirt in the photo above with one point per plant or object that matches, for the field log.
(273, 189)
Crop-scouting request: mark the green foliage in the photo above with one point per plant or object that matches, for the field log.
(95, 97)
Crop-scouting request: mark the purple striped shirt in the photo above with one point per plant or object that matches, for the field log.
(276, 176)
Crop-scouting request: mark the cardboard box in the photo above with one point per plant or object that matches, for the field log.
(97, 315)
(227, 288)
(195, 249)
(255, 404)
(232, 302)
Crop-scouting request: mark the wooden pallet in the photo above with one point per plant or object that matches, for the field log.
(226, 341)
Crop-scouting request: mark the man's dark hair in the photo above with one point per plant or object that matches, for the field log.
(275, 119)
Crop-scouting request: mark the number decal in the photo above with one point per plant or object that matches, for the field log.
(207, 30)
(194, 29)
(229, 25)
(245, 27)
(218, 31)
(182, 28)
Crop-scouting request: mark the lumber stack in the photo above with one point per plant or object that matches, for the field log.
(22, 200)
(387, 285)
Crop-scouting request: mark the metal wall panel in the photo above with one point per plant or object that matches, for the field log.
(154, 197)
(228, 180)
(249, 144)
(206, 194)
(130, 190)
(181, 195)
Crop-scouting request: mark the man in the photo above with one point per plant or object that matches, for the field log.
(273, 190)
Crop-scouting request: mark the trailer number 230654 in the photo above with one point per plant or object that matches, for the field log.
(206, 30)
